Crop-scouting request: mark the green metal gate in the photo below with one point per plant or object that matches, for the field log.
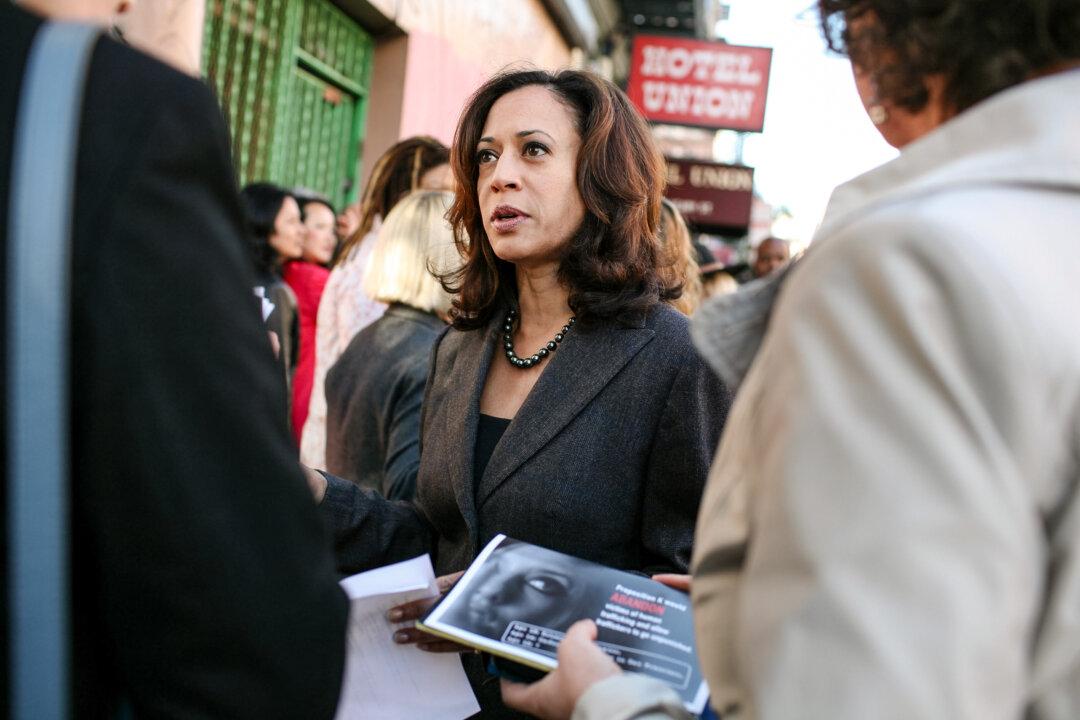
(293, 79)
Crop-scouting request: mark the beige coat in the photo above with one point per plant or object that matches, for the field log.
(892, 525)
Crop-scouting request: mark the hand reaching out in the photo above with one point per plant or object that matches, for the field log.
(581, 665)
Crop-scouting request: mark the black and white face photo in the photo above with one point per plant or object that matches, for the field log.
(521, 582)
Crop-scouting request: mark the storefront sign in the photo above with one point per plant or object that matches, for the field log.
(711, 195)
(692, 82)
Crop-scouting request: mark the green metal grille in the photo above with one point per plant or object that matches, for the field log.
(332, 38)
(292, 77)
(242, 55)
(313, 154)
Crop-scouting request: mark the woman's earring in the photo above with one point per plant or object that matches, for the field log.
(878, 114)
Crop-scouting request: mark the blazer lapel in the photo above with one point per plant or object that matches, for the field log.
(582, 366)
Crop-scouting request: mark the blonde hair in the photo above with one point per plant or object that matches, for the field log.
(414, 242)
(678, 259)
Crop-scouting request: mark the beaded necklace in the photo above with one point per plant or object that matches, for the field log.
(528, 362)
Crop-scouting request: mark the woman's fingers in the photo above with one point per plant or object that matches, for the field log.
(447, 581)
(410, 635)
(410, 611)
(418, 608)
(443, 646)
(427, 642)
(679, 582)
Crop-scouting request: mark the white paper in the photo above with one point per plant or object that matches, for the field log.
(387, 681)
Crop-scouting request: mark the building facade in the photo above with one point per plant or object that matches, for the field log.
(315, 90)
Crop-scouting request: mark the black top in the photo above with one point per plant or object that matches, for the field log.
(202, 580)
(489, 430)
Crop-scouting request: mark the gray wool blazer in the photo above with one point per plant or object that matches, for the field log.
(605, 460)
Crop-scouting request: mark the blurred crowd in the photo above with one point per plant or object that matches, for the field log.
(862, 463)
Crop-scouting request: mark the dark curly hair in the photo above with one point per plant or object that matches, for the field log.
(611, 262)
(261, 202)
(979, 47)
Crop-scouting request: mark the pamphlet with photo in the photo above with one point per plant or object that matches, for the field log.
(517, 601)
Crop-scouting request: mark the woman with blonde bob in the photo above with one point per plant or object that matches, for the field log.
(375, 390)
(415, 163)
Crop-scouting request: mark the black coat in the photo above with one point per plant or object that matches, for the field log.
(373, 397)
(606, 459)
(203, 583)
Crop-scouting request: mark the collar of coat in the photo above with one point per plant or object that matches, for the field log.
(1026, 135)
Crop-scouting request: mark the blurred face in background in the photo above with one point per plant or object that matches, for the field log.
(288, 236)
(439, 177)
(348, 220)
(319, 240)
(771, 254)
(527, 179)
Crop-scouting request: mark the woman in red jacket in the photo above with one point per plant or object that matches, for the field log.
(307, 278)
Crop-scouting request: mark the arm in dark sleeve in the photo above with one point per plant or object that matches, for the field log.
(682, 451)
(403, 435)
(200, 549)
(369, 530)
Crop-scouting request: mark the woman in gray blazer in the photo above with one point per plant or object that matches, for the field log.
(566, 406)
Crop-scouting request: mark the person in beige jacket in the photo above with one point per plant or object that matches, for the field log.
(892, 524)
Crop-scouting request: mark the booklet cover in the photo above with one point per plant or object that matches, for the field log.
(517, 601)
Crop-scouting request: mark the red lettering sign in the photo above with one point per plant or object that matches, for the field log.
(711, 195)
(693, 82)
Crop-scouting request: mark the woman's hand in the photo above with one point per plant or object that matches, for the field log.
(413, 611)
(316, 483)
(679, 582)
(582, 664)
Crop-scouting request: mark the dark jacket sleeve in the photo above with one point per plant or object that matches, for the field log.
(678, 465)
(403, 433)
(205, 568)
(371, 531)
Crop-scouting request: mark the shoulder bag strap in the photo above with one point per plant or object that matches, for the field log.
(38, 337)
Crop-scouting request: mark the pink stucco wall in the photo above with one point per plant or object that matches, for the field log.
(437, 82)
(454, 45)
